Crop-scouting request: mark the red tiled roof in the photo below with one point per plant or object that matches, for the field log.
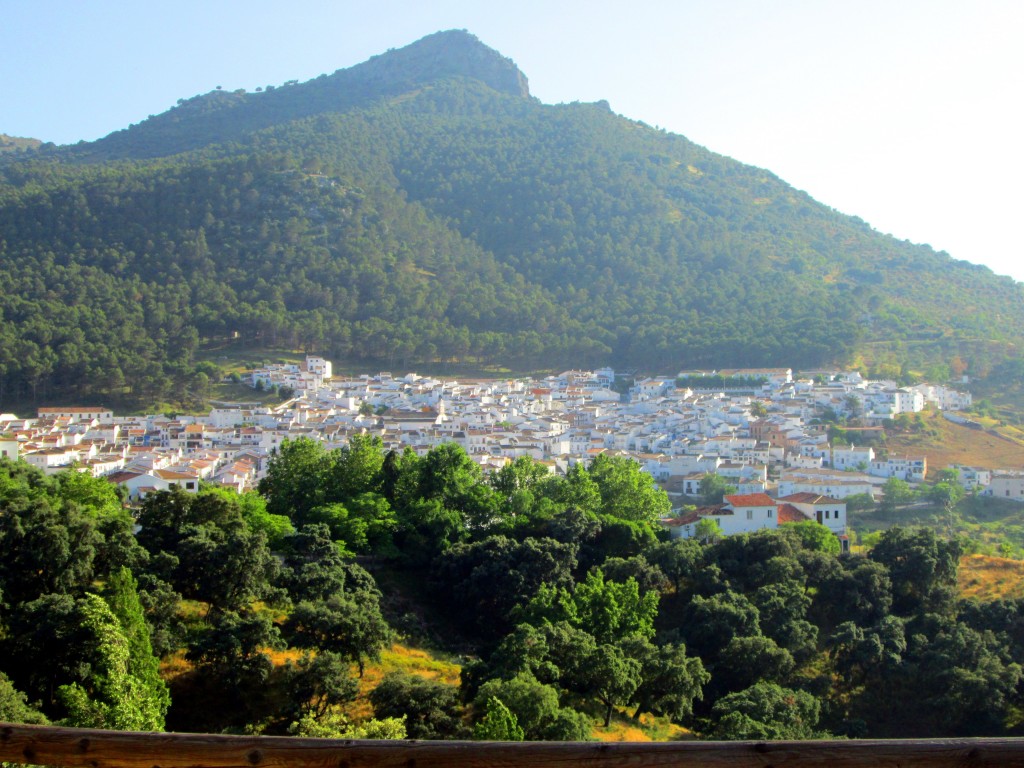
(122, 477)
(750, 500)
(790, 514)
(676, 522)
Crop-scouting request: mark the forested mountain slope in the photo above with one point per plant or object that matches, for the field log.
(423, 206)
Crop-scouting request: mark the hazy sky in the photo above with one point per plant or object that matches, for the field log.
(906, 113)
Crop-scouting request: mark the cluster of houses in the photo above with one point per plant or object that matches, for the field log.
(761, 435)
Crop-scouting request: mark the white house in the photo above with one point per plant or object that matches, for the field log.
(973, 478)
(10, 448)
(851, 457)
(736, 514)
(823, 482)
(138, 484)
(1007, 485)
(319, 366)
(912, 469)
(828, 511)
(77, 413)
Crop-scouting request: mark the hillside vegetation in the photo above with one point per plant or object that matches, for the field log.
(554, 609)
(14, 144)
(983, 577)
(946, 444)
(422, 207)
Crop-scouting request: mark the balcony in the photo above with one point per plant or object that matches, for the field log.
(82, 748)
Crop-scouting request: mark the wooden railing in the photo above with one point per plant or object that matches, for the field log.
(83, 748)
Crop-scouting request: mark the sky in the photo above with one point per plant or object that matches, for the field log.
(906, 113)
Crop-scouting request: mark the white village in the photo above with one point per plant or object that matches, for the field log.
(760, 430)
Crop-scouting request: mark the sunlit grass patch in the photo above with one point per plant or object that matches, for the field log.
(991, 578)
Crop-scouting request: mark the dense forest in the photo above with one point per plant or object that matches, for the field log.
(422, 207)
(560, 595)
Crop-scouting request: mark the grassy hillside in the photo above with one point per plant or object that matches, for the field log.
(945, 443)
(991, 578)
(985, 525)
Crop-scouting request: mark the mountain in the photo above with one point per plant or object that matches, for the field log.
(17, 144)
(422, 206)
(221, 116)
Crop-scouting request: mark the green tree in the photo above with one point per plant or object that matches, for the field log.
(314, 567)
(710, 623)
(363, 524)
(430, 708)
(253, 507)
(297, 479)
(448, 475)
(319, 682)
(522, 474)
(859, 502)
(349, 624)
(815, 536)
(649, 577)
(497, 724)
(748, 660)
(358, 468)
(536, 709)
(426, 529)
(611, 677)
(109, 695)
(45, 549)
(490, 579)
(782, 609)
(766, 711)
(713, 488)
(923, 569)
(611, 611)
(896, 492)
(335, 725)
(14, 707)
(578, 491)
(154, 698)
(627, 492)
(946, 493)
(230, 686)
(200, 544)
(869, 656)
(678, 559)
(861, 591)
(670, 681)
(966, 679)
(707, 531)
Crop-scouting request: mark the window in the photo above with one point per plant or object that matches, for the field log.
(750, 514)
(771, 513)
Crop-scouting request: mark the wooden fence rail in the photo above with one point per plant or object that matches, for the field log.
(84, 748)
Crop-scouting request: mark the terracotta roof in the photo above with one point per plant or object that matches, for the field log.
(750, 500)
(790, 514)
(168, 474)
(676, 522)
